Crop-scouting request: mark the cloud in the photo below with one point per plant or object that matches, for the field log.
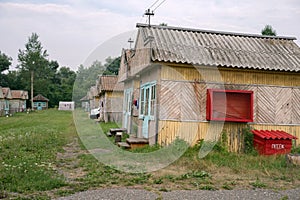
(71, 29)
(68, 33)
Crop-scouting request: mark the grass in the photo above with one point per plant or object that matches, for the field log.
(30, 143)
(28, 147)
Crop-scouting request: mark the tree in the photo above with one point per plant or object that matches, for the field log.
(112, 66)
(85, 78)
(268, 30)
(62, 86)
(11, 80)
(5, 62)
(33, 59)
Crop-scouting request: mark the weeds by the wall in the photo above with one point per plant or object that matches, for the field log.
(221, 145)
(248, 141)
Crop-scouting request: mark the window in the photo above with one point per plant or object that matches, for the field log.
(229, 105)
(142, 107)
(147, 100)
(152, 99)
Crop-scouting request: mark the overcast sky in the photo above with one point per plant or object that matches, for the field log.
(75, 32)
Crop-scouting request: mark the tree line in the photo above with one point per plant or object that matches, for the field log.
(49, 79)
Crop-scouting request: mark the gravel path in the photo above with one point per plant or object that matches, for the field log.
(137, 194)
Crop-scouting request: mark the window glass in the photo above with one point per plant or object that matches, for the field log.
(153, 88)
(142, 107)
(147, 91)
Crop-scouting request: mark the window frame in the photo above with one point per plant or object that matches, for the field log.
(149, 103)
(211, 102)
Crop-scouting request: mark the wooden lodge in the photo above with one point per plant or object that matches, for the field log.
(40, 102)
(85, 103)
(196, 84)
(18, 101)
(5, 96)
(12, 101)
(110, 94)
(93, 97)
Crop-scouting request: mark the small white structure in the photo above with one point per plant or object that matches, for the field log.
(66, 105)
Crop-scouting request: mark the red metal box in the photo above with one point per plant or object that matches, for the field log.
(229, 105)
(272, 142)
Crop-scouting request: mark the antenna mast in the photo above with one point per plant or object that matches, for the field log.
(130, 41)
(149, 14)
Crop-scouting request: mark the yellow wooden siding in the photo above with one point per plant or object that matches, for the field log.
(115, 94)
(235, 76)
(186, 101)
(192, 132)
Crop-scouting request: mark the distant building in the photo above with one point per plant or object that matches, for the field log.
(93, 97)
(1, 102)
(4, 101)
(18, 101)
(110, 94)
(66, 105)
(85, 103)
(40, 102)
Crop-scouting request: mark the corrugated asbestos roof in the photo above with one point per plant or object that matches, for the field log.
(266, 134)
(110, 83)
(40, 97)
(85, 98)
(213, 48)
(6, 93)
(19, 94)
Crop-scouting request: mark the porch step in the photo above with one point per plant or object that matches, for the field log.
(134, 140)
(124, 145)
(137, 142)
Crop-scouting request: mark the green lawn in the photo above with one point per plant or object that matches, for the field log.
(31, 168)
(28, 147)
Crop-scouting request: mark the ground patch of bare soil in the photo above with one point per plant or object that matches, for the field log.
(183, 175)
(68, 166)
(68, 162)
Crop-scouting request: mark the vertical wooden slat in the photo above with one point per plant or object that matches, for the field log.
(230, 76)
(295, 106)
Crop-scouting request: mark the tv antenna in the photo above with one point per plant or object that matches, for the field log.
(130, 41)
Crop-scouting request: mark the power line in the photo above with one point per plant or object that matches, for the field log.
(150, 13)
(158, 5)
(154, 3)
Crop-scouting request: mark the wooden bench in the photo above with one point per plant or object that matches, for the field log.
(113, 131)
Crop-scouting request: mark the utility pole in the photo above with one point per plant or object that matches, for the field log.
(31, 84)
(149, 14)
